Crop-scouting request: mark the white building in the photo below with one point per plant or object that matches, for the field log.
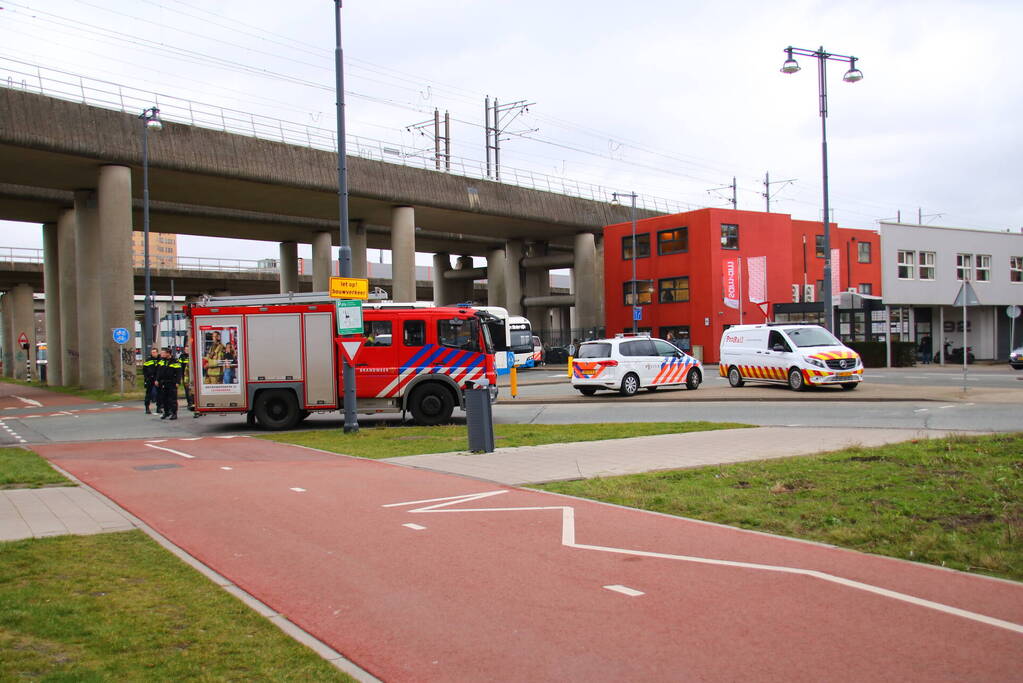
(923, 269)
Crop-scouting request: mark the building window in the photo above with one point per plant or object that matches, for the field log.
(642, 246)
(983, 267)
(863, 252)
(644, 292)
(1016, 269)
(673, 241)
(866, 288)
(906, 259)
(964, 267)
(819, 243)
(729, 236)
(673, 290)
(926, 265)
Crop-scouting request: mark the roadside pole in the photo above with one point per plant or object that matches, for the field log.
(121, 336)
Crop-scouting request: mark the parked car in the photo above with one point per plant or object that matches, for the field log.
(1016, 359)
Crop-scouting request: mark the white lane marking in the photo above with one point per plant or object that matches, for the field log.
(171, 450)
(156, 440)
(190, 438)
(793, 425)
(297, 489)
(568, 540)
(944, 407)
(29, 401)
(922, 410)
(227, 468)
(414, 527)
(232, 436)
(625, 590)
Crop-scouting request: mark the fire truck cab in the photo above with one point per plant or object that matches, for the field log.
(278, 358)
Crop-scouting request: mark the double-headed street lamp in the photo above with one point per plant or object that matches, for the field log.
(635, 300)
(851, 76)
(150, 121)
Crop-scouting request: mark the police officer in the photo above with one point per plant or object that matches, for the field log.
(168, 375)
(149, 377)
(186, 377)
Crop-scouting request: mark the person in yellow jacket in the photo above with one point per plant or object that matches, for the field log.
(149, 378)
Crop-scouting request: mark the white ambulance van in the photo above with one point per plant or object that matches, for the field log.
(799, 355)
(627, 363)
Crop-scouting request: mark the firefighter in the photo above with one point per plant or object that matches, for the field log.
(168, 375)
(186, 378)
(149, 377)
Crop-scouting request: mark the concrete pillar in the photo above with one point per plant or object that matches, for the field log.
(289, 267)
(538, 284)
(7, 318)
(357, 240)
(442, 295)
(24, 322)
(601, 315)
(512, 277)
(496, 293)
(66, 229)
(403, 253)
(51, 287)
(584, 283)
(465, 288)
(321, 262)
(89, 260)
(113, 192)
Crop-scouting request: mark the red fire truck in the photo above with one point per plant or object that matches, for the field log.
(278, 358)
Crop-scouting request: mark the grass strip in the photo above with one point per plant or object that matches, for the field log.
(135, 392)
(955, 502)
(119, 607)
(390, 442)
(21, 468)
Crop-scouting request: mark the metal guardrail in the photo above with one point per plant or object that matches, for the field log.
(16, 74)
(219, 265)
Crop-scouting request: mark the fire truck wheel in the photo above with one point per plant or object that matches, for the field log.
(277, 409)
(693, 380)
(431, 404)
(796, 381)
(735, 377)
(303, 414)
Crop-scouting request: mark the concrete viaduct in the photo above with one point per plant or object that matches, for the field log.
(76, 169)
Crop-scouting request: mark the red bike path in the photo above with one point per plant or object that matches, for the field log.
(526, 585)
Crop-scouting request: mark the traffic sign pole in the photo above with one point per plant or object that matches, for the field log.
(121, 337)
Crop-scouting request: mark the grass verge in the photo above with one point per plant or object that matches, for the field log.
(390, 442)
(955, 502)
(21, 468)
(102, 395)
(120, 607)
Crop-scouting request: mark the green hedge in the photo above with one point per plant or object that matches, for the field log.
(873, 353)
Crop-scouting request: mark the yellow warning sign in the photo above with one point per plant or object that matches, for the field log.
(349, 288)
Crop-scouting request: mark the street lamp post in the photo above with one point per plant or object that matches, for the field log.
(635, 300)
(851, 76)
(150, 121)
(344, 253)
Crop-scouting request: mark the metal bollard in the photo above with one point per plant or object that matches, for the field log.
(479, 417)
(570, 359)
(514, 373)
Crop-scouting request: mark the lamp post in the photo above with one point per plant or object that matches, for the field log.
(344, 252)
(851, 76)
(150, 121)
(635, 300)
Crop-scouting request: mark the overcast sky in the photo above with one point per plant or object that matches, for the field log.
(669, 99)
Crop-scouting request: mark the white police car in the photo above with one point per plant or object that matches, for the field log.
(628, 362)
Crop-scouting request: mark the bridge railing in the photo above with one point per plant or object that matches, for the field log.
(16, 74)
(207, 263)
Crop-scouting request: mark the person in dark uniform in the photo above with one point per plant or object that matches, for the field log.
(149, 378)
(168, 376)
(186, 376)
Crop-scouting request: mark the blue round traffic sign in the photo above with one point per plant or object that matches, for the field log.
(121, 335)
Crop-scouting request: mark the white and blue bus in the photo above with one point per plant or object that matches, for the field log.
(513, 339)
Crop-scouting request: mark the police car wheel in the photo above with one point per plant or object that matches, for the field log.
(277, 409)
(630, 385)
(849, 386)
(796, 382)
(693, 380)
(587, 391)
(431, 404)
(735, 377)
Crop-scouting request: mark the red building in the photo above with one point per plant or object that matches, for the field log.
(778, 263)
